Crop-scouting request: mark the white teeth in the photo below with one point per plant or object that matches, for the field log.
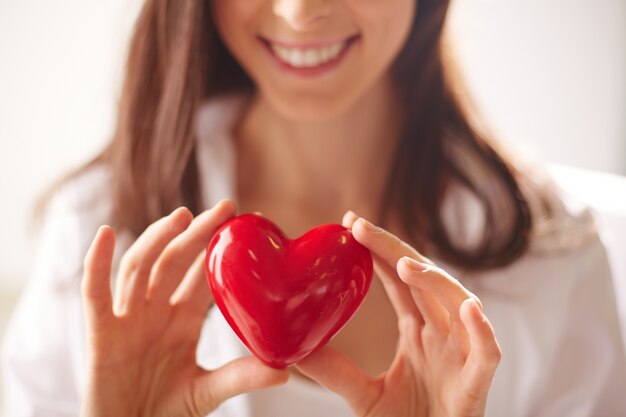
(310, 57)
(296, 56)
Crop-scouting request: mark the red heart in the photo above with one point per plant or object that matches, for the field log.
(286, 298)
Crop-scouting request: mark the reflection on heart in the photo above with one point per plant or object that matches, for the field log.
(286, 298)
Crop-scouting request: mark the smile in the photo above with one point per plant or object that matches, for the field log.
(309, 59)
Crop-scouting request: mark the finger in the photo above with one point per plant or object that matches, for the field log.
(236, 377)
(137, 262)
(444, 292)
(392, 249)
(338, 373)
(383, 243)
(388, 248)
(433, 313)
(432, 310)
(180, 253)
(399, 295)
(348, 219)
(194, 293)
(485, 353)
(435, 280)
(96, 284)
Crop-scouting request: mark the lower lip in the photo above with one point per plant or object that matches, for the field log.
(311, 72)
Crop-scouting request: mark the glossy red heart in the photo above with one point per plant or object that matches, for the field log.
(286, 298)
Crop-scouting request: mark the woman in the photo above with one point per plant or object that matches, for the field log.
(304, 110)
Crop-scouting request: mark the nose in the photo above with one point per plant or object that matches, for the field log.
(301, 14)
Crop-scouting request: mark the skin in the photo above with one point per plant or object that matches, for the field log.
(308, 151)
(382, 25)
(447, 352)
(142, 339)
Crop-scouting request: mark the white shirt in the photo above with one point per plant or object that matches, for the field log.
(553, 310)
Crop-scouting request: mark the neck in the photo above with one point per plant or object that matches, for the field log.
(320, 168)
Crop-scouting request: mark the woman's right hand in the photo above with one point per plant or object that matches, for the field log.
(142, 340)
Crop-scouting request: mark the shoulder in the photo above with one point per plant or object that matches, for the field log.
(83, 199)
(69, 222)
(42, 350)
(562, 223)
(553, 309)
(564, 237)
(84, 189)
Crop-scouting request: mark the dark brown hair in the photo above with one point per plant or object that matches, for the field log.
(176, 60)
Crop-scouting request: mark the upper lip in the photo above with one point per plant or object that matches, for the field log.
(320, 43)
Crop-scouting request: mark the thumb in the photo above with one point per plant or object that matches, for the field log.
(337, 372)
(236, 377)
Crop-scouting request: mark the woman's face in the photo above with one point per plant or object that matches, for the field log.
(312, 59)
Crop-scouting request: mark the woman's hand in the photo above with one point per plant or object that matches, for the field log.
(142, 341)
(447, 351)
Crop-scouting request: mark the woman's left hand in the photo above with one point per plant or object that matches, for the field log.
(447, 352)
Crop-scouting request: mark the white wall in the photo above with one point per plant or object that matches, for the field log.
(59, 67)
(549, 73)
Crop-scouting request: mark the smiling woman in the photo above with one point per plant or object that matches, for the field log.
(306, 110)
(395, 83)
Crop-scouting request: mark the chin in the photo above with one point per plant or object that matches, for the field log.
(311, 108)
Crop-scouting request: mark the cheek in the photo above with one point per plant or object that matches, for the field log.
(234, 20)
(388, 26)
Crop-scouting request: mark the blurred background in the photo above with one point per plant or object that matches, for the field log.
(549, 75)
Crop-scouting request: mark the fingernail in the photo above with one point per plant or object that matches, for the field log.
(231, 202)
(103, 228)
(176, 210)
(476, 310)
(173, 212)
(478, 304)
(369, 226)
(416, 265)
(349, 218)
(475, 307)
(180, 218)
(222, 202)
